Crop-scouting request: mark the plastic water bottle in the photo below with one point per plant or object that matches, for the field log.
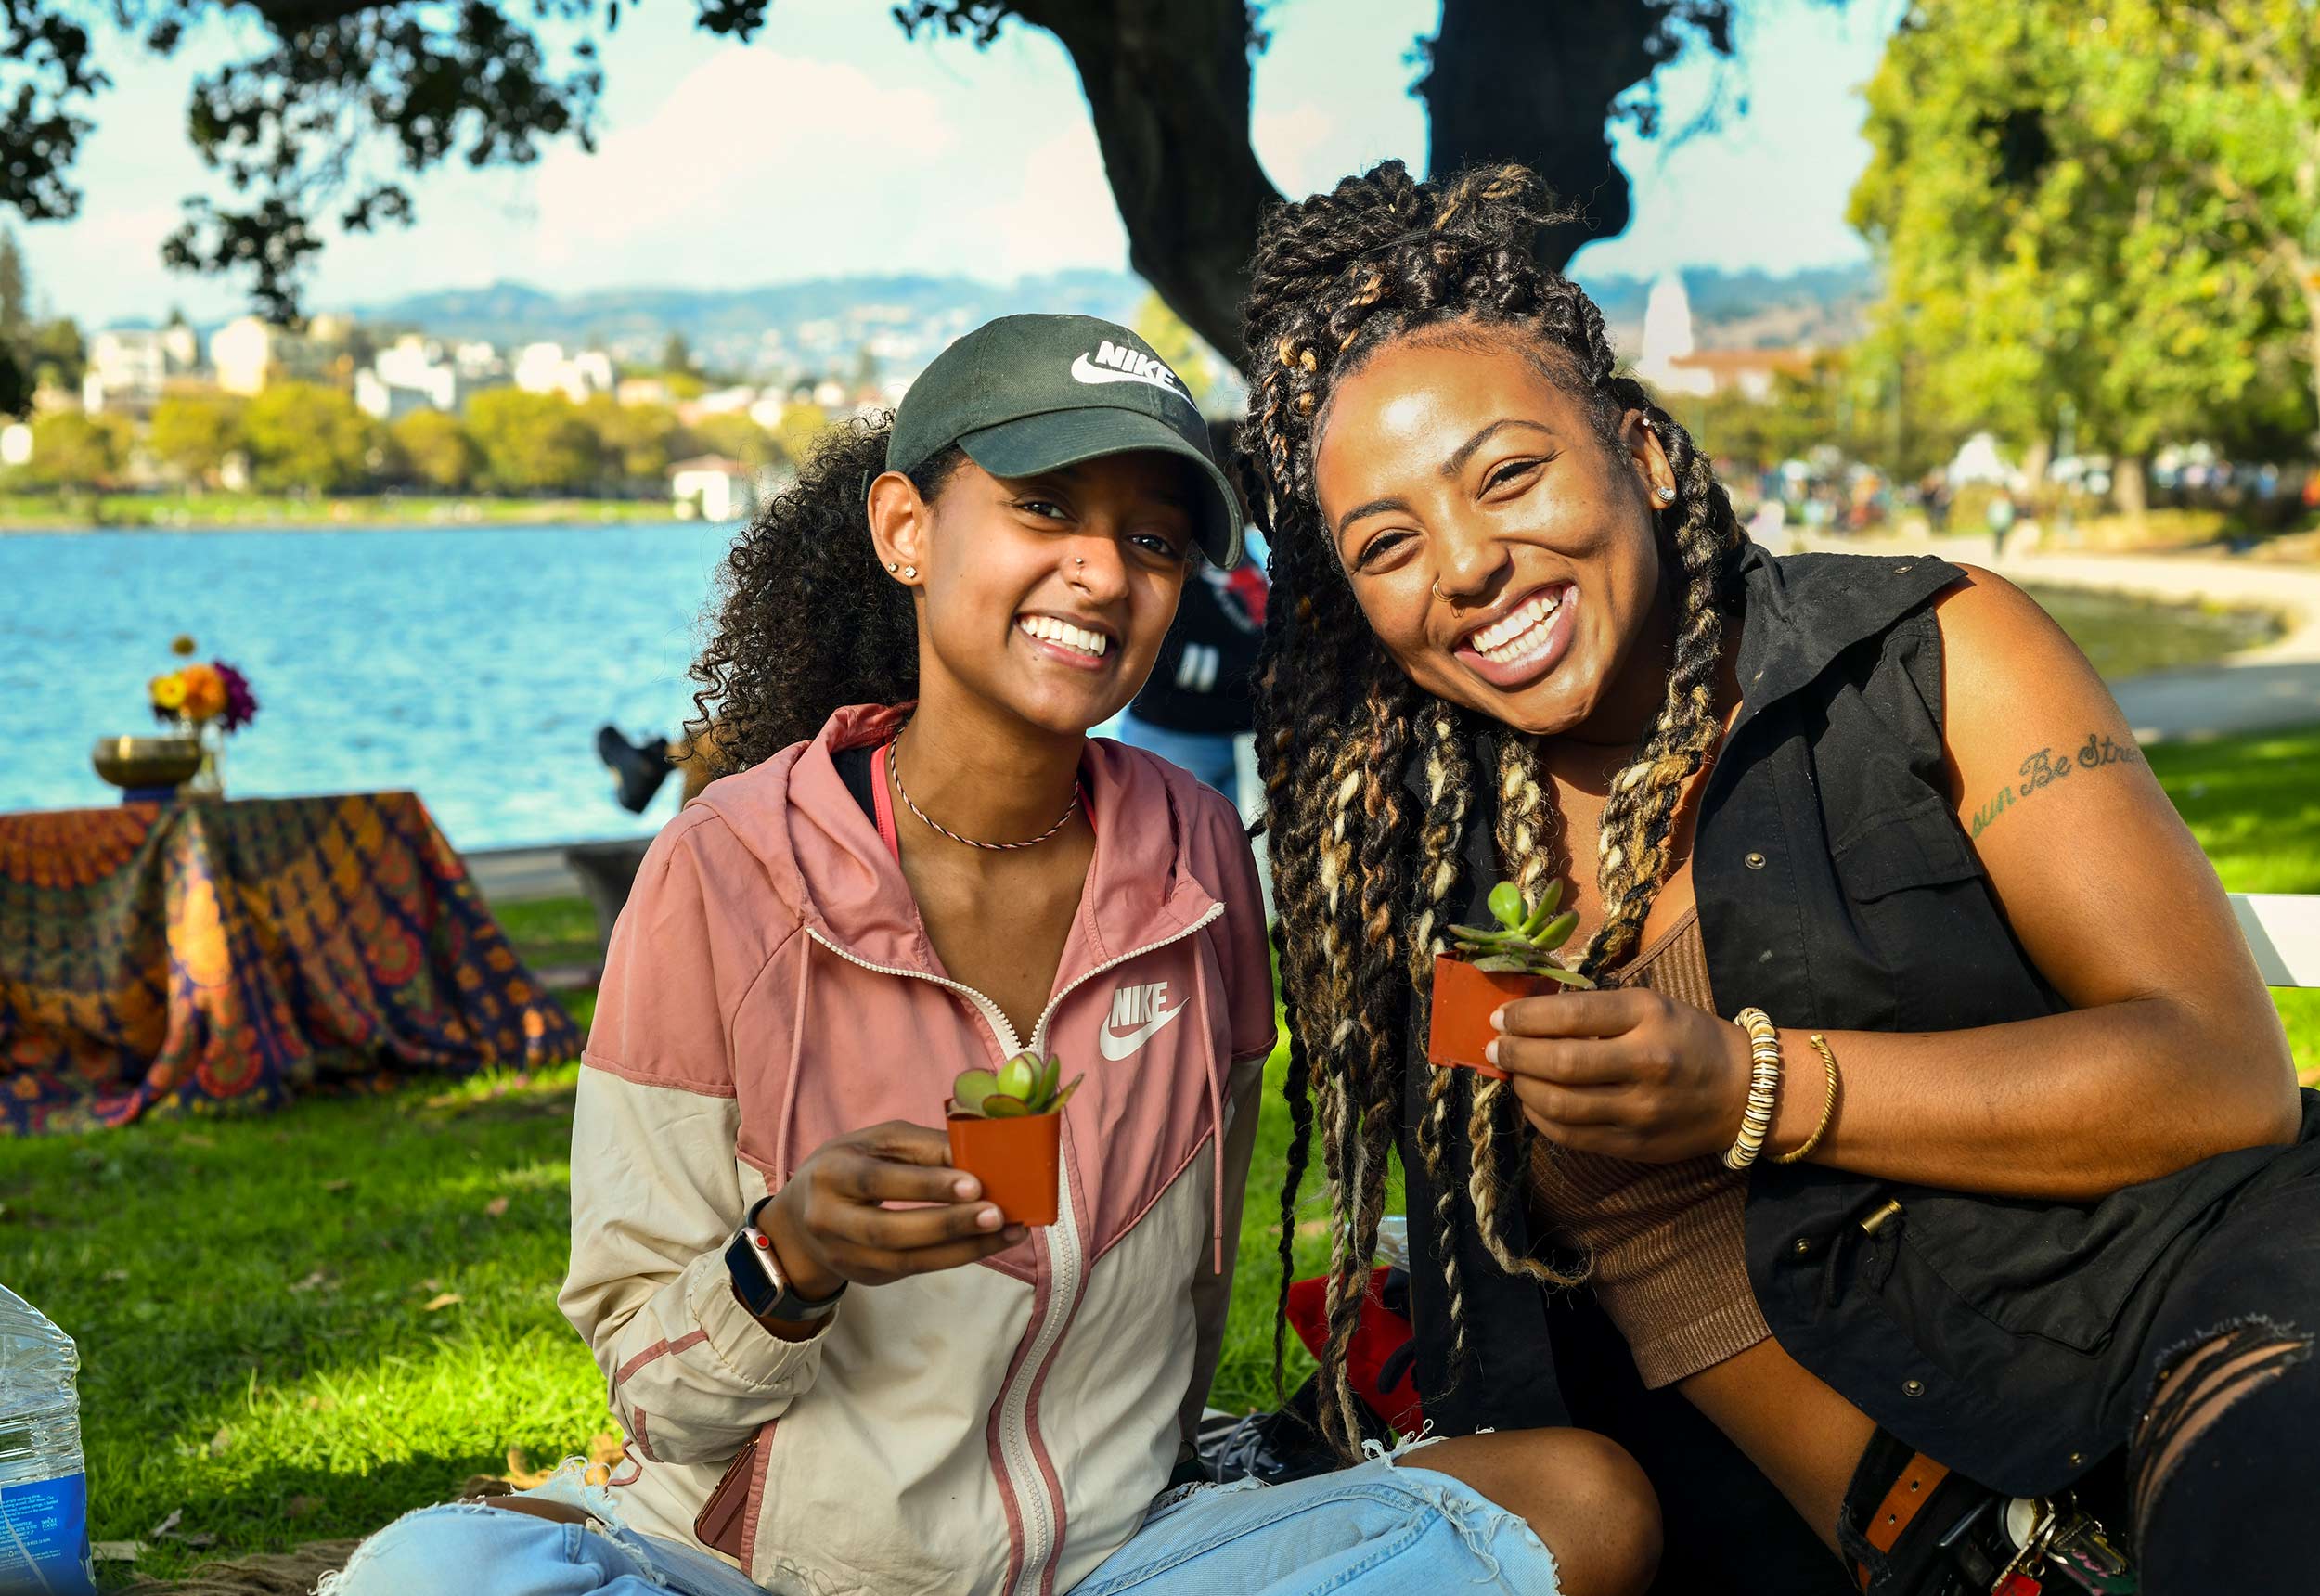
(44, 1483)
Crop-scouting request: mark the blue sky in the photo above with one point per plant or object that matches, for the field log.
(833, 145)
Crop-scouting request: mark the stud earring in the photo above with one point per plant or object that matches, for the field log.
(892, 566)
(1666, 496)
(909, 573)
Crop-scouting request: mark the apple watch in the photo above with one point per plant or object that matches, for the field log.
(758, 1281)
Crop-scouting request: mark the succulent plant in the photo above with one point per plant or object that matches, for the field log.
(1023, 1086)
(1524, 940)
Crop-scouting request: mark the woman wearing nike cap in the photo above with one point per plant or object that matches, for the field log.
(920, 864)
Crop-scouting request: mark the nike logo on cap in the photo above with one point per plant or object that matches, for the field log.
(1117, 362)
(1142, 1013)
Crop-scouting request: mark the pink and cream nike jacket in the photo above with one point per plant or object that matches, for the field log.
(999, 1428)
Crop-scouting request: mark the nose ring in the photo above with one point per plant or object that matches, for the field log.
(1438, 591)
(1079, 559)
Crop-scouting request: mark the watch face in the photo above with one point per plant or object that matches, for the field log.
(750, 1261)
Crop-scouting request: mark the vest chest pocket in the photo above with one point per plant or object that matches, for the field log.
(1919, 845)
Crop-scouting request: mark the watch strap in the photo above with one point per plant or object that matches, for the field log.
(759, 1282)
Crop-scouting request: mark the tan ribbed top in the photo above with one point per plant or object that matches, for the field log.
(1669, 1261)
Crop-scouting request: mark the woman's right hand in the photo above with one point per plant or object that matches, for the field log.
(829, 1225)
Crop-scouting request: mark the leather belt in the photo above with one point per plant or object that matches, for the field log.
(1906, 1498)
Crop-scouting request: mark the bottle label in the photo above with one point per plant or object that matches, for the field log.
(44, 1536)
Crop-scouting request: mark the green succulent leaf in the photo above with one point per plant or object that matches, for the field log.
(970, 1089)
(1550, 900)
(1050, 1073)
(1506, 905)
(1019, 1077)
(1557, 931)
(1503, 964)
(999, 1105)
(1569, 977)
(1066, 1095)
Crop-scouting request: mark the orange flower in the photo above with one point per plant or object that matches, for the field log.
(168, 691)
(205, 692)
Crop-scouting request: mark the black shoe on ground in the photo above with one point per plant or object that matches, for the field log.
(639, 768)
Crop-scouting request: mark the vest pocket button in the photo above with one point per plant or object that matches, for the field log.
(1913, 1389)
(1804, 1245)
(1754, 861)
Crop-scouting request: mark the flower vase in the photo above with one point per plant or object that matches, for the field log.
(210, 780)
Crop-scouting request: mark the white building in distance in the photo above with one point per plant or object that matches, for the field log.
(546, 368)
(417, 373)
(249, 355)
(128, 368)
(713, 488)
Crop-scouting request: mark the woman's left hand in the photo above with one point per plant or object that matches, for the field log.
(1626, 1073)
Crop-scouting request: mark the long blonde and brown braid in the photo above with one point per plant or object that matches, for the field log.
(1523, 819)
(1362, 873)
(1447, 774)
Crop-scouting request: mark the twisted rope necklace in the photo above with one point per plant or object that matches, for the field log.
(893, 773)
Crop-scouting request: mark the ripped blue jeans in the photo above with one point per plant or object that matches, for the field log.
(1379, 1528)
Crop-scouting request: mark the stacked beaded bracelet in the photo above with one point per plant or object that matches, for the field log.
(1763, 1086)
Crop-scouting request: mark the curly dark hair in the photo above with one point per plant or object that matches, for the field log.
(807, 621)
(1361, 871)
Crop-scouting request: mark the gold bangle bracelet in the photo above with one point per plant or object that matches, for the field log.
(1829, 1103)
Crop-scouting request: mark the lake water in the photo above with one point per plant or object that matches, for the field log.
(472, 665)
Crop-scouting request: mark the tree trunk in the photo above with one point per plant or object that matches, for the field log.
(2311, 335)
(1167, 84)
(2131, 486)
(1513, 80)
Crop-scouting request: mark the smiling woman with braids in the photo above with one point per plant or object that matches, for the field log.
(2035, 1218)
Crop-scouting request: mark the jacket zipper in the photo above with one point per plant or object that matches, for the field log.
(1066, 1260)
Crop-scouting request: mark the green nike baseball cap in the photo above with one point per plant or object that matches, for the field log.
(1027, 394)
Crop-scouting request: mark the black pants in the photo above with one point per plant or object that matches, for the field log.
(2231, 1510)
(2234, 1510)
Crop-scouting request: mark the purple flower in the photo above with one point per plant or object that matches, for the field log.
(241, 704)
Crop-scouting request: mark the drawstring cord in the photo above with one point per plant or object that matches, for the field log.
(797, 1060)
(1216, 1111)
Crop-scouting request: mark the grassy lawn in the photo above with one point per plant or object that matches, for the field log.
(295, 1328)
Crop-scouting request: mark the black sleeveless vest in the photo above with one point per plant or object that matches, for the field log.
(1837, 891)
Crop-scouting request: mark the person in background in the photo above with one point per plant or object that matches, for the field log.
(1197, 700)
(639, 768)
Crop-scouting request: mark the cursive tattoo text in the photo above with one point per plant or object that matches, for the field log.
(2047, 766)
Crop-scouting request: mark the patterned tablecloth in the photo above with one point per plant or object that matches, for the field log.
(224, 957)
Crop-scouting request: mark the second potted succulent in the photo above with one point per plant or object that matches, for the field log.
(1495, 965)
(1006, 1131)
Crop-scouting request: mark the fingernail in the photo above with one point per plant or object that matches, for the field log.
(990, 1218)
(968, 1187)
(1490, 1050)
(1498, 1021)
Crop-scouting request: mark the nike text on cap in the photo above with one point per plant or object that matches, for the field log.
(1031, 393)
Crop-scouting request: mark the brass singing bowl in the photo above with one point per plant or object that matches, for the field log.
(146, 761)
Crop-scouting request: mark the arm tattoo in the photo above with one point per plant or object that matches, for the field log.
(2048, 766)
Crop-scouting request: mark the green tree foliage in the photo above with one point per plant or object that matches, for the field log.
(1178, 345)
(58, 353)
(305, 438)
(736, 436)
(74, 450)
(533, 443)
(2103, 209)
(192, 433)
(676, 354)
(434, 449)
(798, 430)
(637, 442)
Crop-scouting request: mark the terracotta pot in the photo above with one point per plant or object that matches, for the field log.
(1464, 998)
(1018, 1160)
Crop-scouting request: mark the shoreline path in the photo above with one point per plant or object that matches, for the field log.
(2264, 689)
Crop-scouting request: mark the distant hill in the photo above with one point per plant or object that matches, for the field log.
(819, 324)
